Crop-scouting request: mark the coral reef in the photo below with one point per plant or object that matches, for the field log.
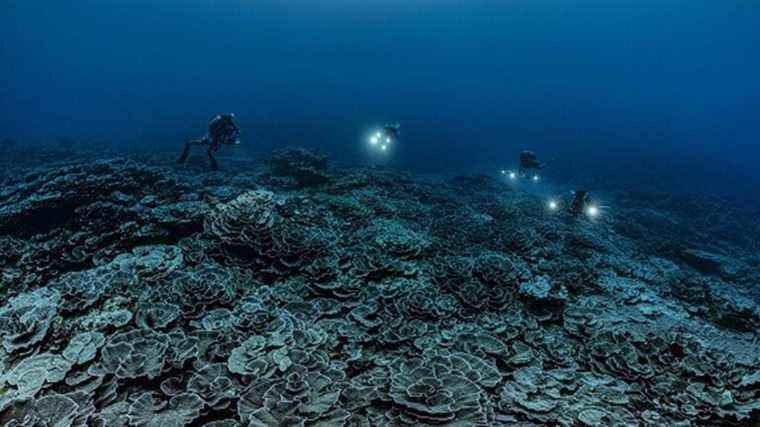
(140, 295)
(306, 167)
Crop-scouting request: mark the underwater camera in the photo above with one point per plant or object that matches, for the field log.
(581, 203)
(380, 141)
(514, 176)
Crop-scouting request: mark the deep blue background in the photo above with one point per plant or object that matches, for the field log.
(660, 92)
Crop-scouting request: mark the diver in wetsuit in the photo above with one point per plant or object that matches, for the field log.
(222, 130)
(581, 203)
(391, 132)
(529, 162)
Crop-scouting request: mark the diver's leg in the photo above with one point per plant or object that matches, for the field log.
(212, 160)
(186, 151)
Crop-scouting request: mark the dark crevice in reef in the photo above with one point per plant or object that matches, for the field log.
(40, 221)
(299, 294)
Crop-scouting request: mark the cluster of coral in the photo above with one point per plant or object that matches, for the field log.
(139, 295)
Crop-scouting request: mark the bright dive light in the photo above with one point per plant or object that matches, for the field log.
(388, 139)
(373, 140)
(535, 178)
(503, 172)
(553, 205)
(592, 211)
(384, 147)
(378, 135)
(512, 175)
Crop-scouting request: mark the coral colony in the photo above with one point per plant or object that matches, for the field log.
(135, 293)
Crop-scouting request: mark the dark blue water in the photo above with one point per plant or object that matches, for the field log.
(136, 289)
(658, 92)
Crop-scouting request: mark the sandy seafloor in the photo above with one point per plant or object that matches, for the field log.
(136, 293)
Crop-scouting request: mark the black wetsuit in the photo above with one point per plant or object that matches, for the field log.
(529, 161)
(222, 130)
(391, 132)
(581, 199)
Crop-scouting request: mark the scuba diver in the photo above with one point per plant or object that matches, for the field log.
(385, 136)
(529, 162)
(222, 130)
(391, 132)
(581, 204)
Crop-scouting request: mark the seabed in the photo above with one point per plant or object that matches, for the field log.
(284, 292)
